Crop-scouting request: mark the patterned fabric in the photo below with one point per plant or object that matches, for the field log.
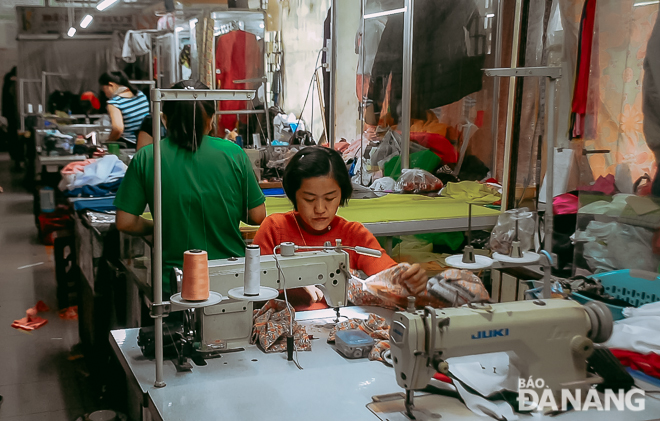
(133, 110)
(458, 287)
(270, 327)
(385, 290)
(375, 326)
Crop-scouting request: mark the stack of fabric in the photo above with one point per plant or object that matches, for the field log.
(93, 182)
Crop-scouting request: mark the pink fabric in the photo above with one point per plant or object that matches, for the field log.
(77, 167)
(603, 185)
(566, 204)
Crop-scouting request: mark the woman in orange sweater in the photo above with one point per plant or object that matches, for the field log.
(316, 181)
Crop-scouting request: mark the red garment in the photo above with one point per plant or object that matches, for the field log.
(280, 227)
(647, 364)
(604, 185)
(581, 88)
(438, 144)
(237, 57)
(565, 204)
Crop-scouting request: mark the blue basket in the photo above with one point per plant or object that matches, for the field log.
(637, 287)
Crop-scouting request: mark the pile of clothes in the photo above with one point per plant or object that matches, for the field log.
(93, 177)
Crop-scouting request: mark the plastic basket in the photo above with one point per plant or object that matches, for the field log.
(634, 286)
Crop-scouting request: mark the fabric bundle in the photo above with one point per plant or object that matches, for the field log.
(374, 326)
(271, 325)
(458, 287)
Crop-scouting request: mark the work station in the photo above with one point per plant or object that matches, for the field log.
(337, 209)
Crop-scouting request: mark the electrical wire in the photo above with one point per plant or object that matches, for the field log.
(286, 300)
(309, 89)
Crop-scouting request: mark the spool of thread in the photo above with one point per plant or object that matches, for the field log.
(195, 285)
(252, 270)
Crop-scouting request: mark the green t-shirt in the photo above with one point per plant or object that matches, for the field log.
(205, 195)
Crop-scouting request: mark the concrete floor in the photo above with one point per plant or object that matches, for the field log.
(42, 377)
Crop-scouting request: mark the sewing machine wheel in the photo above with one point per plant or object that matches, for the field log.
(602, 322)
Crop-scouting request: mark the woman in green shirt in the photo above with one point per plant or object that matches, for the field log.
(209, 187)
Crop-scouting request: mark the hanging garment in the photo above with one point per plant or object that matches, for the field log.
(238, 56)
(581, 88)
(447, 57)
(136, 44)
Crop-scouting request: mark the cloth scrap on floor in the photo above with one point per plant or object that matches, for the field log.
(374, 326)
(31, 321)
(69, 313)
(271, 325)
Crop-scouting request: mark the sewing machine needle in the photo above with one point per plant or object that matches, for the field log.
(409, 403)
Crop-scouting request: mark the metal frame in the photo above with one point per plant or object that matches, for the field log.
(21, 99)
(157, 97)
(552, 73)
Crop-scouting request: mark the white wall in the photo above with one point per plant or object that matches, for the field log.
(302, 35)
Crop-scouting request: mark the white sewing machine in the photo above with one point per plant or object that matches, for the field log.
(551, 340)
(229, 324)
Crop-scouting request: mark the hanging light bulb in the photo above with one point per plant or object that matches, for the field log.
(84, 23)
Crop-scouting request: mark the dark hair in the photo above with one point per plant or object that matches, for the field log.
(316, 161)
(186, 120)
(117, 77)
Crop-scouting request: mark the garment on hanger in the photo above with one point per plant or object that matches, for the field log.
(238, 56)
(136, 43)
(447, 59)
(583, 71)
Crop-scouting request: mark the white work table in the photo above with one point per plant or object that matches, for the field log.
(251, 384)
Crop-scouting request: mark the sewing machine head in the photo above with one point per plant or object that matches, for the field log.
(229, 324)
(551, 339)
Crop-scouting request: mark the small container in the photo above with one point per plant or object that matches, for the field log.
(47, 199)
(353, 343)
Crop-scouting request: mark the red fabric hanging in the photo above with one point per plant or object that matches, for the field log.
(237, 57)
(581, 87)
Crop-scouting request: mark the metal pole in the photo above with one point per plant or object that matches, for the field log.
(43, 92)
(510, 106)
(332, 130)
(157, 267)
(549, 171)
(494, 127)
(406, 94)
(21, 103)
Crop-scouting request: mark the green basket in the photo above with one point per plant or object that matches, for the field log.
(637, 287)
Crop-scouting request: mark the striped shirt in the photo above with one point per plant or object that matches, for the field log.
(133, 111)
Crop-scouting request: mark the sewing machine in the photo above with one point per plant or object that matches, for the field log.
(551, 340)
(228, 325)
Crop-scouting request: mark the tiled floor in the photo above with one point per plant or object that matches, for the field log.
(39, 379)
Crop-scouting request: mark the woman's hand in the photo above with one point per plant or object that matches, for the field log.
(414, 279)
(315, 294)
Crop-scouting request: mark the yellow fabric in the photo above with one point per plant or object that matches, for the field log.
(395, 207)
(471, 191)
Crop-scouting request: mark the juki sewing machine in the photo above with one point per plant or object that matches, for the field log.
(551, 339)
(228, 325)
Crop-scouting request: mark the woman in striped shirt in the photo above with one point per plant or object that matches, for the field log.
(127, 106)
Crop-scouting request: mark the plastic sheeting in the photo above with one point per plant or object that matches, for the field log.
(83, 61)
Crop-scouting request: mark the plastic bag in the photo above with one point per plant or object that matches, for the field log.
(388, 148)
(458, 287)
(386, 184)
(418, 181)
(504, 233)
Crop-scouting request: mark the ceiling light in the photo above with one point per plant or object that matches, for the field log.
(387, 13)
(646, 3)
(84, 23)
(490, 15)
(104, 4)
(72, 32)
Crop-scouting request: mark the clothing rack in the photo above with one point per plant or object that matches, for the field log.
(159, 309)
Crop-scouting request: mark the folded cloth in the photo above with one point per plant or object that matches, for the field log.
(98, 204)
(458, 287)
(271, 325)
(637, 334)
(471, 191)
(76, 167)
(646, 363)
(100, 190)
(374, 326)
(31, 321)
(650, 309)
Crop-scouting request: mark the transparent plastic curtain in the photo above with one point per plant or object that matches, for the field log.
(82, 62)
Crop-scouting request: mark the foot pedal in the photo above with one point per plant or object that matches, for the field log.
(607, 366)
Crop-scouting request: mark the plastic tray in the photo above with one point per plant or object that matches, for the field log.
(634, 286)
